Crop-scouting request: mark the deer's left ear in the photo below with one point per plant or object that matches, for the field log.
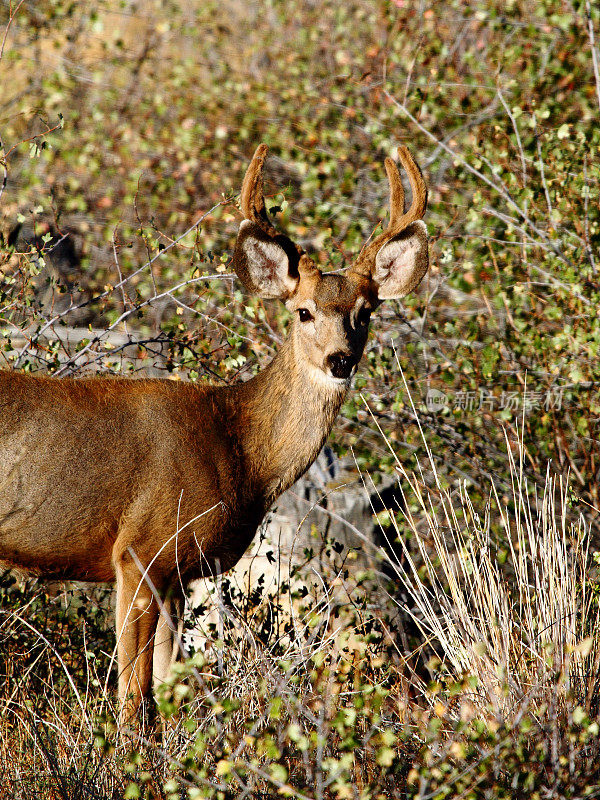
(402, 262)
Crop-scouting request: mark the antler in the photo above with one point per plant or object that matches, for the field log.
(398, 219)
(252, 201)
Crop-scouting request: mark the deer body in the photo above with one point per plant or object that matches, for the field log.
(156, 482)
(220, 456)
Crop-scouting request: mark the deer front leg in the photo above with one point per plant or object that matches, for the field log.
(168, 635)
(137, 618)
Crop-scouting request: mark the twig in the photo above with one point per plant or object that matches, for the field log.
(55, 653)
(513, 120)
(126, 314)
(586, 219)
(118, 266)
(84, 303)
(552, 280)
(12, 13)
(543, 173)
(4, 166)
(588, 14)
(517, 136)
(34, 137)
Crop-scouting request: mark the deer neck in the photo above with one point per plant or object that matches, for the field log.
(284, 415)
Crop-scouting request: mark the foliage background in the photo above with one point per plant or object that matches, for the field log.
(124, 123)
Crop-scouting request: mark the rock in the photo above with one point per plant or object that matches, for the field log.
(326, 521)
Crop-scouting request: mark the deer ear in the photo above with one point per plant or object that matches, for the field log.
(262, 264)
(402, 262)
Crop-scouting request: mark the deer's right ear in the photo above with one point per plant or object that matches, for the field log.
(262, 264)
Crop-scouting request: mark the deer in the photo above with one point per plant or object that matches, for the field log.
(151, 483)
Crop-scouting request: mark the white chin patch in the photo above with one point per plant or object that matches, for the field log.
(333, 379)
(322, 377)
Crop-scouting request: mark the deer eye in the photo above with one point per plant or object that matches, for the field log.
(305, 315)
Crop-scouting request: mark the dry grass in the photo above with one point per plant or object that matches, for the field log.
(504, 593)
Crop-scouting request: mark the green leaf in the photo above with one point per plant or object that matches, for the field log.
(278, 772)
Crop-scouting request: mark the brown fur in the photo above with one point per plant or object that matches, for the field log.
(156, 482)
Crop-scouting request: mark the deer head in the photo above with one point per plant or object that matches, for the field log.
(333, 310)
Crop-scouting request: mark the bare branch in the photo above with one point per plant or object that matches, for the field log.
(590, 24)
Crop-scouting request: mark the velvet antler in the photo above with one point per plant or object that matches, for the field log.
(399, 220)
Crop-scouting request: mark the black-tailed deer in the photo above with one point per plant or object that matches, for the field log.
(154, 482)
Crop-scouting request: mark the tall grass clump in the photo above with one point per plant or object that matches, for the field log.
(507, 593)
(518, 613)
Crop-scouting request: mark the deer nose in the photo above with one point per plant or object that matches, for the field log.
(341, 364)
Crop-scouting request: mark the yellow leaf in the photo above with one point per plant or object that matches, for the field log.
(223, 767)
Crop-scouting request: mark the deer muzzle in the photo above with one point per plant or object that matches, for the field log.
(341, 365)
